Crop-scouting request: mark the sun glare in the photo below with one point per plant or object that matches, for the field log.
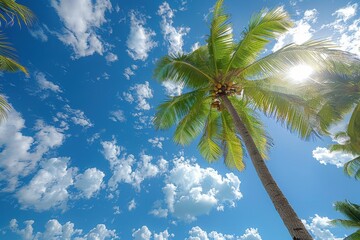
(300, 73)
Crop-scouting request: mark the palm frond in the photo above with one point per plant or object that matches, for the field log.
(4, 108)
(352, 168)
(320, 55)
(184, 69)
(289, 109)
(220, 41)
(208, 146)
(263, 27)
(9, 9)
(354, 236)
(193, 122)
(172, 110)
(10, 65)
(262, 141)
(233, 149)
(351, 211)
(353, 129)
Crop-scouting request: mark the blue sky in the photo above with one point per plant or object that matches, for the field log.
(80, 159)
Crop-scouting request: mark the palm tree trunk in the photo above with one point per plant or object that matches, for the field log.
(294, 225)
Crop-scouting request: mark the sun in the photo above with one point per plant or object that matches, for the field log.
(300, 73)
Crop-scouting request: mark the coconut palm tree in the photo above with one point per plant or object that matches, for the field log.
(227, 83)
(11, 11)
(352, 213)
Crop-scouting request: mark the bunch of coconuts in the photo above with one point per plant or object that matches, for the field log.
(228, 89)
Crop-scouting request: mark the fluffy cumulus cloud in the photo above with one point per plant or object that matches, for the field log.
(302, 31)
(139, 41)
(45, 84)
(117, 116)
(144, 233)
(132, 205)
(48, 188)
(337, 158)
(157, 142)
(319, 227)
(55, 230)
(76, 116)
(89, 183)
(126, 169)
(142, 93)
(20, 154)
(196, 233)
(172, 88)
(173, 36)
(130, 71)
(191, 191)
(82, 19)
(346, 29)
(111, 57)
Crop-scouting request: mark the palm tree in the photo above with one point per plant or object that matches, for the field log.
(228, 82)
(352, 212)
(9, 12)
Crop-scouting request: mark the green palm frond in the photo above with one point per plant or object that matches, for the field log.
(184, 69)
(320, 55)
(193, 122)
(7, 55)
(353, 129)
(233, 149)
(208, 146)
(172, 110)
(4, 108)
(263, 27)
(354, 236)
(220, 41)
(351, 211)
(253, 125)
(289, 109)
(352, 168)
(9, 9)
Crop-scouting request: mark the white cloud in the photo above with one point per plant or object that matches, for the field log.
(172, 88)
(196, 233)
(165, 235)
(142, 233)
(81, 20)
(347, 34)
(132, 205)
(139, 41)
(48, 188)
(20, 154)
(143, 92)
(111, 57)
(191, 191)
(346, 13)
(125, 168)
(195, 46)
(117, 116)
(319, 227)
(156, 142)
(299, 34)
(76, 116)
(55, 230)
(38, 33)
(325, 156)
(45, 84)
(173, 36)
(129, 71)
(89, 183)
